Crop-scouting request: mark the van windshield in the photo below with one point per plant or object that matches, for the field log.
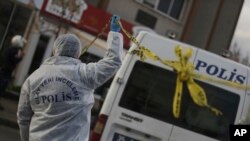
(150, 91)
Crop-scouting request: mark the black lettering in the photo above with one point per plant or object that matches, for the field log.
(57, 98)
(50, 79)
(240, 79)
(74, 90)
(44, 98)
(131, 117)
(212, 69)
(69, 83)
(50, 98)
(222, 72)
(59, 79)
(63, 96)
(68, 97)
(75, 93)
(36, 92)
(64, 80)
(200, 64)
(41, 85)
(232, 75)
(37, 100)
(128, 120)
(77, 98)
(45, 82)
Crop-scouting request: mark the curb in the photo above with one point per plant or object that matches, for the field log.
(3, 121)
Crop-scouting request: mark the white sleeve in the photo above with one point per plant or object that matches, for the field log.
(24, 113)
(95, 74)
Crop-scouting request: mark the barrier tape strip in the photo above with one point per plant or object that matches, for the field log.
(221, 81)
(85, 48)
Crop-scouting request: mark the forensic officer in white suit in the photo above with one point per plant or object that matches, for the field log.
(56, 100)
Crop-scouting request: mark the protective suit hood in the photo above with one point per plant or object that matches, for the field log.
(67, 45)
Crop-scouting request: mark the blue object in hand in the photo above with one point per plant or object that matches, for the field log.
(114, 26)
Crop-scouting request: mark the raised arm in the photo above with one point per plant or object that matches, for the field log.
(95, 74)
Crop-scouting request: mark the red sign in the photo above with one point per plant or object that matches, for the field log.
(92, 21)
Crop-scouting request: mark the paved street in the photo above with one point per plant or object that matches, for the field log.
(9, 134)
(8, 126)
(8, 115)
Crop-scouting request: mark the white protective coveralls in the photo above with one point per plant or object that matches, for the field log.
(56, 100)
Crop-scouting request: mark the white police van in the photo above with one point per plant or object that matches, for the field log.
(138, 106)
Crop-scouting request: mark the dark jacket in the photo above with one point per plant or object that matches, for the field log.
(10, 59)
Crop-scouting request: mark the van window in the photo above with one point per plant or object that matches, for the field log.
(150, 91)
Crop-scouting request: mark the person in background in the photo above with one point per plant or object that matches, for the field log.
(56, 100)
(11, 57)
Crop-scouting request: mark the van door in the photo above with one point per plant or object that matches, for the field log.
(127, 120)
(142, 110)
(245, 117)
(201, 124)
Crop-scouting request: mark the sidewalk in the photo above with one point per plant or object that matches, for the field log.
(8, 115)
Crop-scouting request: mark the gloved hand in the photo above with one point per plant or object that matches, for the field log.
(114, 26)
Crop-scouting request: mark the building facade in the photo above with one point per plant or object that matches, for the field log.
(207, 24)
(211, 24)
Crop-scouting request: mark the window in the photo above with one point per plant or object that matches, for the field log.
(146, 19)
(93, 2)
(88, 58)
(6, 8)
(150, 91)
(14, 20)
(39, 53)
(150, 3)
(172, 8)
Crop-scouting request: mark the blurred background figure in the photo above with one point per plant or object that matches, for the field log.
(11, 57)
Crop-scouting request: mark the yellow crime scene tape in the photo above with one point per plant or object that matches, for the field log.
(185, 73)
(85, 48)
